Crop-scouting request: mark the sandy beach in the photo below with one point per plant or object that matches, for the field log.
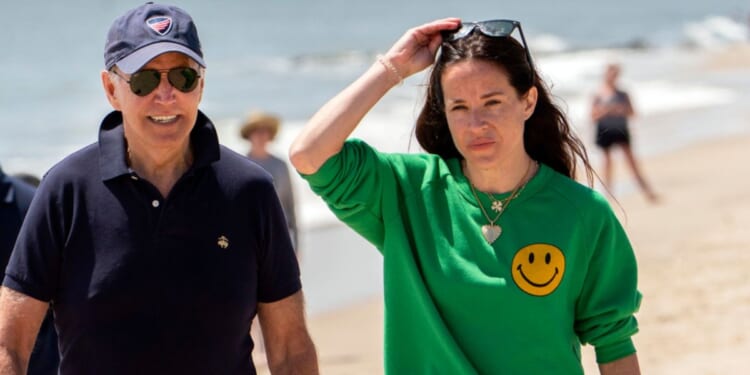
(692, 250)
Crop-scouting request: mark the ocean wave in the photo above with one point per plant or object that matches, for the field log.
(715, 31)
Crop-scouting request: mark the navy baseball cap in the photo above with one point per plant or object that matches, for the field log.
(141, 34)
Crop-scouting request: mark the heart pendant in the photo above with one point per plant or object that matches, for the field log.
(491, 232)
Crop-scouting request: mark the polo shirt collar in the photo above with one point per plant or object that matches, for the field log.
(112, 149)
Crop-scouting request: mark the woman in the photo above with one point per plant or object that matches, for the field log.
(610, 111)
(495, 259)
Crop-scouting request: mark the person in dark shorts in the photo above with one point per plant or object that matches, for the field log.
(610, 111)
(156, 246)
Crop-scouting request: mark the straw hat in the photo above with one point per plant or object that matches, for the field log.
(260, 120)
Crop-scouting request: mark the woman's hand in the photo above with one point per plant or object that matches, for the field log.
(416, 49)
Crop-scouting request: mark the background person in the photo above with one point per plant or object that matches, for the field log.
(610, 111)
(156, 246)
(495, 259)
(260, 130)
(15, 198)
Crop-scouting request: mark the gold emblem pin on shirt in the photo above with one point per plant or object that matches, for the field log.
(223, 242)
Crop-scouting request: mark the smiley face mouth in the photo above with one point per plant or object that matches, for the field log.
(520, 270)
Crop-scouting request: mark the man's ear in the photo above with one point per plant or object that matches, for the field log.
(110, 89)
(202, 83)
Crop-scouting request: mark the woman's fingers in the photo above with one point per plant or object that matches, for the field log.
(415, 50)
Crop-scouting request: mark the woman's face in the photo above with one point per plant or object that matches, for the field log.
(485, 113)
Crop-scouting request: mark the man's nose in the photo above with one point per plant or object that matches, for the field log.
(165, 91)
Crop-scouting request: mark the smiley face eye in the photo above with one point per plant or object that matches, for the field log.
(531, 257)
(547, 258)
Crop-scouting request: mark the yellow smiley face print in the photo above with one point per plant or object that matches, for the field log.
(538, 269)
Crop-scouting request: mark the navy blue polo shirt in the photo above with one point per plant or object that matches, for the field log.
(15, 198)
(142, 284)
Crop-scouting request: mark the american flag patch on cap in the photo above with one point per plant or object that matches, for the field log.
(161, 24)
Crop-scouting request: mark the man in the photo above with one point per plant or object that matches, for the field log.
(155, 246)
(15, 197)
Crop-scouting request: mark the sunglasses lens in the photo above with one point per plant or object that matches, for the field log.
(497, 28)
(144, 81)
(183, 79)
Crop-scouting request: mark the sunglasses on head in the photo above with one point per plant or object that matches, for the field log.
(491, 28)
(143, 82)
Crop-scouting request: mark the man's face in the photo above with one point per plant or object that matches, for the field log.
(162, 119)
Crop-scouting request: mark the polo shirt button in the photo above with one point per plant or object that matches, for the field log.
(134, 177)
(155, 203)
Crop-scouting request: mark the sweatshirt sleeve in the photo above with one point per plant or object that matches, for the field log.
(352, 183)
(609, 298)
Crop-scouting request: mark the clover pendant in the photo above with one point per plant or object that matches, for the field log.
(497, 206)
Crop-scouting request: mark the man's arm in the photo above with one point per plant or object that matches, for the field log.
(289, 348)
(623, 366)
(20, 319)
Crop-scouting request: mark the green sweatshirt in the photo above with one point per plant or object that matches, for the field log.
(562, 272)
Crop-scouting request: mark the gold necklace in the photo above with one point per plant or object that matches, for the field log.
(492, 231)
(497, 205)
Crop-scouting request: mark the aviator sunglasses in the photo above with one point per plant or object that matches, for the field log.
(143, 82)
(491, 28)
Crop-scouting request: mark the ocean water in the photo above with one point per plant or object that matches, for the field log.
(290, 56)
